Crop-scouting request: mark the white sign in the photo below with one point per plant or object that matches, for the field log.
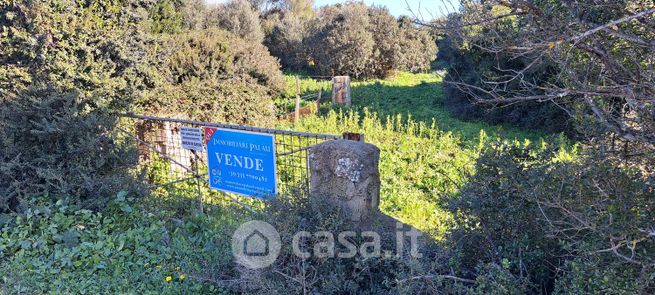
(191, 138)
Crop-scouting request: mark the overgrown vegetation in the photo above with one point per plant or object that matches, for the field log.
(68, 68)
(506, 210)
(549, 221)
(58, 247)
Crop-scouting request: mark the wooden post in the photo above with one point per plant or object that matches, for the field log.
(318, 100)
(341, 90)
(297, 113)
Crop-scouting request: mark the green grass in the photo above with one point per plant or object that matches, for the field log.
(425, 152)
(417, 97)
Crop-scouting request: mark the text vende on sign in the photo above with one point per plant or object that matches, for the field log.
(241, 162)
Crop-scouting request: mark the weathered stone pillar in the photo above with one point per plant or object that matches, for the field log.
(341, 90)
(346, 173)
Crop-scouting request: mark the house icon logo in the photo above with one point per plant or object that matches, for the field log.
(256, 244)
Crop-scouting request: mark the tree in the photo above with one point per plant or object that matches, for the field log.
(240, 18)
(342, 43)
(386, 35)
(286, 26)
(350, 39)
(418, 47)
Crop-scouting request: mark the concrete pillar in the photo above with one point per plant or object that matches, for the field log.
(346, 173)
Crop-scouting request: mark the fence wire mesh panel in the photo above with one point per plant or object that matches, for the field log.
(162, 161)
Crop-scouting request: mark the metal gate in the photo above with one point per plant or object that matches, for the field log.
(162, 161)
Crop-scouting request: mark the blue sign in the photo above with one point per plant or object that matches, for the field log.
(241, 162)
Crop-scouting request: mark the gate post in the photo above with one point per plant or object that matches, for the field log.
(346, 173)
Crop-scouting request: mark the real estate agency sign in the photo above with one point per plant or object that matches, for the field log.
(241, 162)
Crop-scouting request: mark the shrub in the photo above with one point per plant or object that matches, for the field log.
(469, 65)
(386, 37)
(165, 18)
(554, 220)
(193, 99)
(57, 142)
(418, 47)
(69, 68)
(285, 35)
(333, 275)
(213, 75)
(353, 39)
(473, 65)
(214, 54)
(342, 43)
(239, 18)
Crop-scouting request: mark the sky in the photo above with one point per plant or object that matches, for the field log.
(427, 8)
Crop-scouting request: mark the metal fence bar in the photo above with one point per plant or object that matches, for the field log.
(235, 127)
(164, 163)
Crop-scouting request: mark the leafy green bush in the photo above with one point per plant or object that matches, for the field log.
(61, 248)
(239, 18)
(418, 47)
(347, 39)
(342, 44)
(68, 69)
(165, 18)
(216, 76)
(557, 221)
(285, 33)
(58, 143)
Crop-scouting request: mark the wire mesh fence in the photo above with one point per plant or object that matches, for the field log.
(162, 161)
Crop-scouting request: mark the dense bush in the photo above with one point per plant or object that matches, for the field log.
(335, 275)
(418, 47)
(580, 56)
(68, 68)
(366, 41)
(285, 30)
(556, 222)
(386, 37)
(346, 39)
(57, 142)
(342, 43)
(165, 18)
(214, 70)
(238, 17)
